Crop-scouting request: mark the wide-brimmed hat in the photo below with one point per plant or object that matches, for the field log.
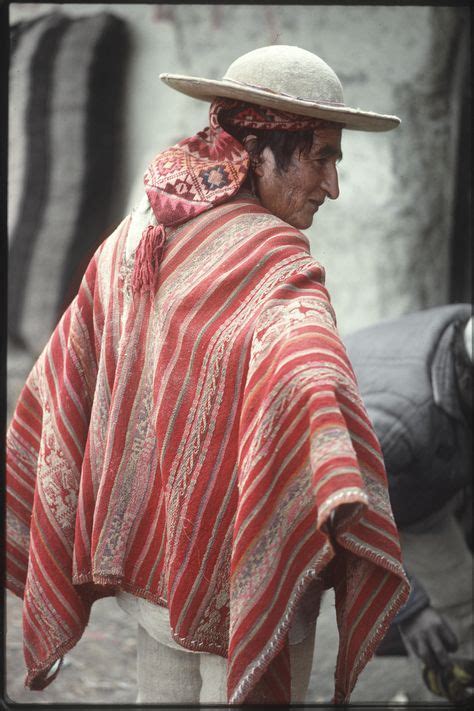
(287, 79)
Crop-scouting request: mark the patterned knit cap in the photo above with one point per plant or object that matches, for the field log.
(200, 172)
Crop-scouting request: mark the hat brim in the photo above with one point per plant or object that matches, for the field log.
(210, 89)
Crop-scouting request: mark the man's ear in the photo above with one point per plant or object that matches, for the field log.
(250, 145)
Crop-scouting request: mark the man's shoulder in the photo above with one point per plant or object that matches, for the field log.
(392, 362)
(247, 205)
(402, 346)
(412, 333)
(258, 230)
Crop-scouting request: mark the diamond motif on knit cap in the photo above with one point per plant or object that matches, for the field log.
(170, 164)
(215, 177)
(181, 185)
(184, 190)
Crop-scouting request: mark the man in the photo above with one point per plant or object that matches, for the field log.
(415, 375)
(192, 439)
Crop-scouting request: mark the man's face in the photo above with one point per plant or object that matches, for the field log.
(297, 193)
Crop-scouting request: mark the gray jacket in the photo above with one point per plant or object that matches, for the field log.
(405, 370)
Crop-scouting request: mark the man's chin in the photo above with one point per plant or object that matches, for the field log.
(305, 224)
(301, 221)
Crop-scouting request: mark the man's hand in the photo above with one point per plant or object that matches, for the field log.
(455, 683)
(429, 637)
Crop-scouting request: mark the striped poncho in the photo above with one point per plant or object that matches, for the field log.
(191, 449)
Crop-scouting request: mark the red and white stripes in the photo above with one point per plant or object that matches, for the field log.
(191, 448)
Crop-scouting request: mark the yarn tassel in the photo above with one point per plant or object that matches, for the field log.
(147, 258)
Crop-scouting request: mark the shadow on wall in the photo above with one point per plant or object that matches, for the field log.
(432, 169)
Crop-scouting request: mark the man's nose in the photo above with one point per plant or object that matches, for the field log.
(331, 183)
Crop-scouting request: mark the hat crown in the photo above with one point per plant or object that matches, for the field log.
(284, 69)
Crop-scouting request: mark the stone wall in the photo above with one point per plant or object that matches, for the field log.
(385, 243)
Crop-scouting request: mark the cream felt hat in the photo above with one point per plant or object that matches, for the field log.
(288, 79)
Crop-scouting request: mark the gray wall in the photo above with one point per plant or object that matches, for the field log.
(385, 242)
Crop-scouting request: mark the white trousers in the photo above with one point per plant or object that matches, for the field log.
(168, 673)
(436, 552)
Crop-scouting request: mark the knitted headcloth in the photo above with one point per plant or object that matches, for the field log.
(199, 173)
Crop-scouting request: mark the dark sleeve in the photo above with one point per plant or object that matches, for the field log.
(417, 601)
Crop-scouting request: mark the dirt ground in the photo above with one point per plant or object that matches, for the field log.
(101, 668)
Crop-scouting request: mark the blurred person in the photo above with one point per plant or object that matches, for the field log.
(192, 440)
(415, 377)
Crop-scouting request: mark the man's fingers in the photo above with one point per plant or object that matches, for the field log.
(429, 637)
(422, 648)
(438, 651)
(448, 637)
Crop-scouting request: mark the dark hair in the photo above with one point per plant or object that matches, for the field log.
(282, 143)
